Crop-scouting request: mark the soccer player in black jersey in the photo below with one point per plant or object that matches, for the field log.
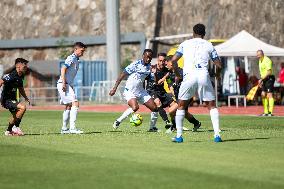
(174, 86)
(155, 87)
(12, 82)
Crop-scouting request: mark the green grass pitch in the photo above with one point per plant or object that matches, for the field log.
(251, 156)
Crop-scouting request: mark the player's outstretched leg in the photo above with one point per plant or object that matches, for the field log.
(164, 116)
(133, 107)
(162, 113)
(125, 114)
(191, 119)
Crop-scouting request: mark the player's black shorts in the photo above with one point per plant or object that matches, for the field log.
(268, 84)
(11, 105)
(165, 98)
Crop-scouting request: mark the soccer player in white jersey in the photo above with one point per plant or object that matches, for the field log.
(65, 87)
(134, 91)
(196, 52)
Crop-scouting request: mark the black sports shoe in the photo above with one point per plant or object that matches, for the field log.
(168, 125)
(196, 126)
(154, 129)
(115, 124)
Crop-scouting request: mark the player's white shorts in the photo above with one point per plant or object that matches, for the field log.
(141, 96)
(200, 83)
(68, 96)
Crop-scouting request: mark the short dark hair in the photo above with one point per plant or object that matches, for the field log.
(168, 58)
(21, 60)
(199, 29)
(261, 51)
(80, 44)
(162, 54)
(148, 50)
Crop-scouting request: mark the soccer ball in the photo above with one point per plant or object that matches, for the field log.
(136, 120)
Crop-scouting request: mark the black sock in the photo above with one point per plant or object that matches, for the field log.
(174, 124)
(163, 114)
(17, 122)
(10, 125)
(192, 120)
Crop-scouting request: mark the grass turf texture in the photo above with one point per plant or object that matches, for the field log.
(251, 155)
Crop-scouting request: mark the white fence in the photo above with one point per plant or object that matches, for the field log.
(97, 93)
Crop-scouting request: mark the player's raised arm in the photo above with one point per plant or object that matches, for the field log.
(118, 81)
(215, 58)
(162, 80)
(174, 61)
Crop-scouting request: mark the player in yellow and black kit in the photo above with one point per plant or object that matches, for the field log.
(266, 82)
(174, 86)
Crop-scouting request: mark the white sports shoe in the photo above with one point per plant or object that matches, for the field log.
(75, 131)
(10, 133)
(65, 131)
(17, 131)
(185, 129)
(169, 131)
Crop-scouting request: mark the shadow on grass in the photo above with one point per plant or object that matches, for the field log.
(203, 131)
(115, 131)
(36, 134)
(244, 139)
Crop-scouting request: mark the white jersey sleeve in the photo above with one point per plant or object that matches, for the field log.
(131, 68)
(72, 65)
(180, 50)
(213, 53)
(68, 61)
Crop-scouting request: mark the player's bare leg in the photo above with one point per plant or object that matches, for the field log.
(16, 120)
(163, 113)
(133, 107)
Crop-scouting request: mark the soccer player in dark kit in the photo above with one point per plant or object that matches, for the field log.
(12, 82)
(174, 86)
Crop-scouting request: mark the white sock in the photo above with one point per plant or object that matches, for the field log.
(154, 118)
(125, 114)
(65, 116)
(214, 114)
(179, 121)
(73, 116)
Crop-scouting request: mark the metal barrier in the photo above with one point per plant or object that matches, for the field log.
(97, 93)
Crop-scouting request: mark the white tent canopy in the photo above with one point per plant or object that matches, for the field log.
(244, 44)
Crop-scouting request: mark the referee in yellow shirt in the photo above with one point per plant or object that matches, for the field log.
(266, 82)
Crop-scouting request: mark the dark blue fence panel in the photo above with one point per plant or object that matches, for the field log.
(94, 71)
(89, 71)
